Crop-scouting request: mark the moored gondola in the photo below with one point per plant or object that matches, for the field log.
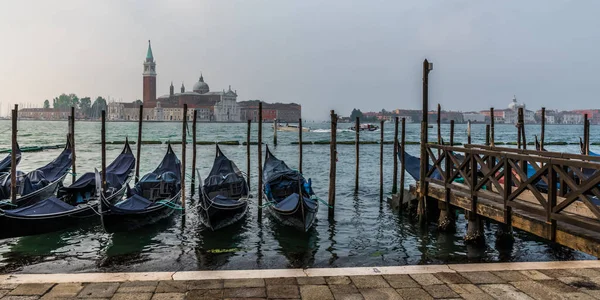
(154, 197)
(290, 197)
(74, 204)
(38, 184)
(5, 164)
(224, 194)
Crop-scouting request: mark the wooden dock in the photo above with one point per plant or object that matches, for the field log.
(558, 200)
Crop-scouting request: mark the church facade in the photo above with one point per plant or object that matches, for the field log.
(211, 106)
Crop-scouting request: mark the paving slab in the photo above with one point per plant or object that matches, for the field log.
(171, 287)
(504, 292)
(31, 289)
(212, 284)
(343, 289)
(315, 292)
(283, 291)
(168, 296)
(338, 280)
(311, 280)
(244, 292)
(454, 278)
(380, 294)
(466, 288)
(132, 296)
(440, 291)
(414, 293)
(20, 298)
(99, 290)
(536, 290)
(584, 272)
(64, 290)
(555, 273)
(281, 281)
(350, 297)
(373, 281)
(535, 275)
(511, 275)
(138, 287)
(482, 277)
(248, 283)
(400, 281)
(426, 279)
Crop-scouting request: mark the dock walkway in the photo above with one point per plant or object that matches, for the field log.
(545, 280)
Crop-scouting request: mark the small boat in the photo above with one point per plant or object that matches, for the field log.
(5, 164)
(291, 128)
(155, 197)
(365, 127)
(38, 184)
(224, 194)
(290, 197)
(73, 205)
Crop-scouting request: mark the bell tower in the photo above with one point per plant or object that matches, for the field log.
(149, 97)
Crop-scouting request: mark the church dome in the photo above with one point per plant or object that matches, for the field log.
(201, 86)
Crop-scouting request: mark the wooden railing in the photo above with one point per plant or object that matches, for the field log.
(563, 189)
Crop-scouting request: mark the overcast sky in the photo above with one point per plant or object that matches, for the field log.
(322, 54)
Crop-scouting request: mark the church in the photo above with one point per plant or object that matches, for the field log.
(211, 106)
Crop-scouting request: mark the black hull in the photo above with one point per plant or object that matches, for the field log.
(114, 220)
(37, 196)
(301, 217)
(218, 216)
(40, 224)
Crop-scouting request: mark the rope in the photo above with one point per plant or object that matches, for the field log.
(315, 197)
(170, 205)
(7, 202)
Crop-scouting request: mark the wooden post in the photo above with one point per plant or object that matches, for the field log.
(402, 160)
(183, 148)
(446, 222)
(194, 146)
(72, 134)
(139, 144)
(421, 209)
(519, 132)
(492, 126)
(332, 164)
(13, 157)
(381, 163)
(103, 142)
(469, 132)
(439, 126)
(248, 153)
(395, 172)
(585, 116)
(586, 124)
(357, 129)
(260, 170)
(451, 132)
(523, 128)
(275, 132)
(487, 134)
(543, 128)
(300, 145)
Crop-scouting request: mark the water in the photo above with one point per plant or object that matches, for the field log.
(365, 232)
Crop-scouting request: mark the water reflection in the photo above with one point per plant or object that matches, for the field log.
(216, 248)
(298, 247)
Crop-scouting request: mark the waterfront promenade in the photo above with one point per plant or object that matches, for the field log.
(528, 280)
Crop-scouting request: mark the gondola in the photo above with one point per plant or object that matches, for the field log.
(412, 165)
(224, 194)
(38, 184)
(73, 204)
(282, 189)
(154, 197)
(5, 164)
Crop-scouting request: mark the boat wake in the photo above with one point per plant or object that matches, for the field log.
(329, 130)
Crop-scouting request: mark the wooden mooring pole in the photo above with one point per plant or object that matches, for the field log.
(357, 143)
(395, 171)
(492, 126)
(13, 157)
(300, 145)
(523, 128)
(422, 205)
(446, 220)
(103, 151)
(439, 125)
(183, 148)
(260, 170)
(275, 132)
(487, 134)
(139, 144)
(194, 149)
(402, 149)
(332, 164)
(248, 152)
(469, 132)
(543, 129)
(586, 135)
(519, 132)
(381, 162)
(72, 135)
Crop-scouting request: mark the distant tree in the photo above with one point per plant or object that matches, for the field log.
(46, 104)
(85, 105)
(98, 106)
(138, 102)
(356, 113)
(65, 101)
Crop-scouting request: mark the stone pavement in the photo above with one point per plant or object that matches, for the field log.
(572, 280)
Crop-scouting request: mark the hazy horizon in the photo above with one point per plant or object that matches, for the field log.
(334, 55)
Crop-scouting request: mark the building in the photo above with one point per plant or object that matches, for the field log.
(47, 114)
(510, 115)
(284, 112)
(215, 106)
(475, 117)
(572, 118)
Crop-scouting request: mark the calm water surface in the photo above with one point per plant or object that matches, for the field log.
(365, 231)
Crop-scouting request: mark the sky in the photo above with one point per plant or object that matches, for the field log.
(321, 54)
